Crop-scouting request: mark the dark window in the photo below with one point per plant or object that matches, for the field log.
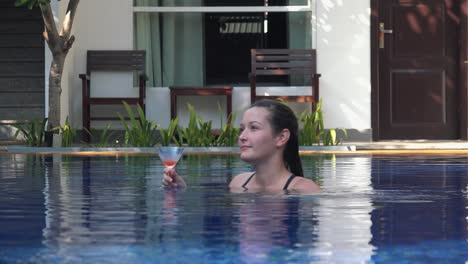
(230, 36)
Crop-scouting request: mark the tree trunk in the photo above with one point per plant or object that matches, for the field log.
(55, 89)
(59, 44)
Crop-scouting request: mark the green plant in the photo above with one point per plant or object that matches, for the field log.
(104, 137)
(312, 126)
(33, 132)
(229, 133)
(68, 133)
(138, 133)
(330, 137)
(168, 134)
(198, 133)
(313, 131)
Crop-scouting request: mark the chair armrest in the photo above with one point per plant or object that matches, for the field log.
(144, 77)
(84, 76)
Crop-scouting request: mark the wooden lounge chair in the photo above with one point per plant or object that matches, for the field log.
(284, 62)
(110, 61)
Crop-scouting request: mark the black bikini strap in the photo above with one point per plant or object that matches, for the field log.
(247, 181)
(288, 182)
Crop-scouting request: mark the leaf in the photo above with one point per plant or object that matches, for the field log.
(31, 4)
(33, 131)
(19, 3)
(138, 133)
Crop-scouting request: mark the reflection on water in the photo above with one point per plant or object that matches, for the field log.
(421, 209)
(344, 206)
(381, 209)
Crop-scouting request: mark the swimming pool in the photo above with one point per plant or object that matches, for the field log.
(112, 209)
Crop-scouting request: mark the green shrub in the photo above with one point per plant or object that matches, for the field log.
(104, 138)
(313, 131)
(33, 132)
(67, 132)
(229, 133)
(198, 133)
(312, 126)
(138, 133)
(330, 137)
(168, 135)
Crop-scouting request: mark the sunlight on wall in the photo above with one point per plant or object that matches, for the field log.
(343, 31)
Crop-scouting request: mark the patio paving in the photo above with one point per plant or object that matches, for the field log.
(411, 145)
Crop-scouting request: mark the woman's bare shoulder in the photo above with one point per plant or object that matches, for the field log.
(239, 180)
(304, 185)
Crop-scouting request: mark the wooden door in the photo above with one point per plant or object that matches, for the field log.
(418, 80)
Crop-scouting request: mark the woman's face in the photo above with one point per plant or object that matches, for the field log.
(256, 140)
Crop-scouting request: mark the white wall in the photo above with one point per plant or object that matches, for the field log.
(103, 24)
(342, 33)
(343, 52)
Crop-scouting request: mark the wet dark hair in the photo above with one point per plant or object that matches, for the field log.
(281, 117)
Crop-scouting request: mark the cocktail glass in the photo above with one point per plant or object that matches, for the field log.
(170, 155)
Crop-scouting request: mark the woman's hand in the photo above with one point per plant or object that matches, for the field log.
(172, 179)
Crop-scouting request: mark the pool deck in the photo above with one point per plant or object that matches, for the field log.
(400, 146)
(411, 145)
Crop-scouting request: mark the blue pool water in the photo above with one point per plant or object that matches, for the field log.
(112, 209)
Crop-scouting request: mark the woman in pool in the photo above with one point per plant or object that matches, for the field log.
(269, 142)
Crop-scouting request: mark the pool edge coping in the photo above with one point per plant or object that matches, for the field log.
(25, 149)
